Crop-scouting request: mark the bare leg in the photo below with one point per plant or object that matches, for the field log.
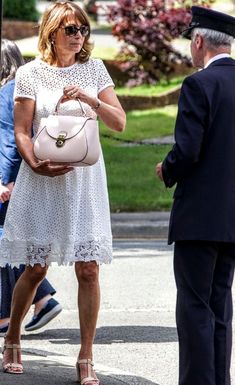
(88, 304)
(4, 321)
(22, 298)
(40, 304)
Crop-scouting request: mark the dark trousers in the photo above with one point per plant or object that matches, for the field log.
(9, 277)
(204, 275)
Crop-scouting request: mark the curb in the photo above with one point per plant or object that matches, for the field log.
(152, 225)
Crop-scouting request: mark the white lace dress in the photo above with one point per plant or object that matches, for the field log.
(64, 219)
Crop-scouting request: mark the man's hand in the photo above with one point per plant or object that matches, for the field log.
(159, 170)
(46, 168)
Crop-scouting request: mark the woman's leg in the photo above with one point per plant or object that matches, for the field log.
(4, 322)
(88, 304)
(22, 298)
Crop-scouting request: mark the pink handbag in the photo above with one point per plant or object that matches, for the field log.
(68, 139)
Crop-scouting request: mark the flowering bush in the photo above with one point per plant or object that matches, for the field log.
(147, 27)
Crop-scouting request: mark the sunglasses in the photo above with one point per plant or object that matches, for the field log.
(72, 30)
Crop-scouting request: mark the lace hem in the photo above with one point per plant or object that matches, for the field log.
(30, 252)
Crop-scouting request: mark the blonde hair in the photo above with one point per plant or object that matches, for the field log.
(52, 19)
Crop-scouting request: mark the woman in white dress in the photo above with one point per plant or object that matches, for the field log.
(59, 213)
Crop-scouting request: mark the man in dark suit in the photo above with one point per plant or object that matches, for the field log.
(202, 224)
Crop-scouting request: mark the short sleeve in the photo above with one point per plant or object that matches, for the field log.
(104, 79)
(24, 83)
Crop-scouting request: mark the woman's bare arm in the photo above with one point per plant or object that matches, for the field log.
(110, 109)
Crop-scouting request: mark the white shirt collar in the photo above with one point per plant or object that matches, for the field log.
(217, 57)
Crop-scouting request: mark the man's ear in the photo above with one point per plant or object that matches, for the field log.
(198, 41)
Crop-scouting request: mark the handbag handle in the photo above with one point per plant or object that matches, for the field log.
(58, 105)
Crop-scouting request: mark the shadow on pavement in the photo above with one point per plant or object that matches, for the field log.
(49, 372)
(110, 335)
(41, 373)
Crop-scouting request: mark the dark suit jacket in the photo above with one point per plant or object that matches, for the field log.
(202, 161)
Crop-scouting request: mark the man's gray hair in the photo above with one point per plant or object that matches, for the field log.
(214, 39)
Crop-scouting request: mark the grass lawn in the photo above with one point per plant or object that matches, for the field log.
(146, 124)
(132, 183)
(104, 52)
(150, 90)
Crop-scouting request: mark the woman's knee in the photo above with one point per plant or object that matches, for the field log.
(36, 273)
(87, 272)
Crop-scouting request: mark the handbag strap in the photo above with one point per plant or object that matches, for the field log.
(59, 102)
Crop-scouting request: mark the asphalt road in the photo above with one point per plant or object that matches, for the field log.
(136, 340)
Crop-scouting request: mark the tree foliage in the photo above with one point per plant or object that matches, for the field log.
(91, 8)
(148, 27)
(20, 10)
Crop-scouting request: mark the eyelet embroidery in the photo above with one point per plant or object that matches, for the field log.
(65, 219)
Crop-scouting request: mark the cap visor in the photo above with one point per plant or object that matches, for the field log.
(187, 33)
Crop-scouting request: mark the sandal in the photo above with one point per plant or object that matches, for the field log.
(90, 378)
(12, 367)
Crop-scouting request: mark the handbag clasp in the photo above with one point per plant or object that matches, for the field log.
(60, 141)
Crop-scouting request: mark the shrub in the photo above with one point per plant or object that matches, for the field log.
(148, 27)
(91, 8)
(20, 10)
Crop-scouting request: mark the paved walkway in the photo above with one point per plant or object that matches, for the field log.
(136, 337)
(136, 341)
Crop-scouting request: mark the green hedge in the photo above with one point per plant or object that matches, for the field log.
(20, 10)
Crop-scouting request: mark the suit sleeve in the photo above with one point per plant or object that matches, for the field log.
(189, 133)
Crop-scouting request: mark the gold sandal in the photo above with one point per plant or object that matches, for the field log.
(90, 378)
(12, 367)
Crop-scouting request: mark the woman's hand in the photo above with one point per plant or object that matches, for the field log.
(5, 192)
(107, 107)
(74, 92)
(24, 112)
(46, 168)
